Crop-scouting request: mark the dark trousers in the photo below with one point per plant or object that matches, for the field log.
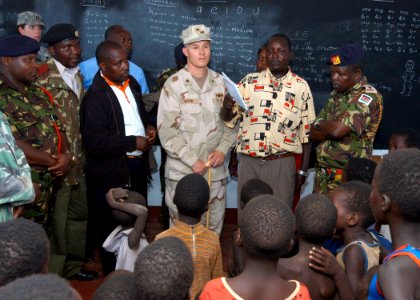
(101, 220)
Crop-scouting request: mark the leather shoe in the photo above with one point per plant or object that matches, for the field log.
(84, 275)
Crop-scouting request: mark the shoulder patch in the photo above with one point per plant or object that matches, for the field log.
(365, 99)
(370, 89)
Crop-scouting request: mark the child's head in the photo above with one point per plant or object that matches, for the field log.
(316, 218)
(119, 285)
(267, 226)
(253, 188)
(397, 180)
(39, 286)
(352, 202)
(361, 169)
(404, 138)
(192, 195)
(123, 218)
(164, 270)
(24, 249)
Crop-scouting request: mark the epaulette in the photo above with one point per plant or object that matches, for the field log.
(370, 89)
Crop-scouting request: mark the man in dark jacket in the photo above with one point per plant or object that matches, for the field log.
(117, 135)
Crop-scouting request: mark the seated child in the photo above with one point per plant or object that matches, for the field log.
(39, 286)
(361, 249)
(127, 240)
(395, 201)
(118, 285)
(252, 188)
(191, 198)
(316, 217)
(24, 250)
(266, 229)
(164, 270)
(404, 138)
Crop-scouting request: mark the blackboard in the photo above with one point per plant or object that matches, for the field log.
(389, 30)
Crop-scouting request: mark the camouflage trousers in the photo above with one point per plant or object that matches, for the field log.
(213, 218)
(327, 179)
(39, 210)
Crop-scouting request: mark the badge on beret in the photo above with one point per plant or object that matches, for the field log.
(365, 99)
(335, 60)
(76, 33)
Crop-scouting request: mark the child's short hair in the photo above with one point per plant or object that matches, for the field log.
(192, 195)
(164, 270)
(39, 286)
(253, 188)
(361, 169)
(123, 218)
(119, 285)
(316, 218)
(24, 249)
(267, 226)
(398, 177)
(412, 137)
(358, 193)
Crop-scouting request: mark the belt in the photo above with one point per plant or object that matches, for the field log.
(276, 156)
(134, 156)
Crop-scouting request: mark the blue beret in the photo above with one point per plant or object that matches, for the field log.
(60, 32)
(17, 45)
(347, 55)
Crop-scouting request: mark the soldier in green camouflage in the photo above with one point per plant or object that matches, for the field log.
(346, 126)
(16, 187)
(32, 120)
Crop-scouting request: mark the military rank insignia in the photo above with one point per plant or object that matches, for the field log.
(335, 60)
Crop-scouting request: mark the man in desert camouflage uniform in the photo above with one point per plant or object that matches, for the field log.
(347, 125)
(190, 129)
(32, 119)
(69, 221)
(16, 187)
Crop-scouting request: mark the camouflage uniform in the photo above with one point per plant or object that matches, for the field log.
(69, 222)
(32, 119)
(162, 77)
(15, 175)
(190, 129)
(359, 108)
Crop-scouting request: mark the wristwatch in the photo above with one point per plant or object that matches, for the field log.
(303, 173)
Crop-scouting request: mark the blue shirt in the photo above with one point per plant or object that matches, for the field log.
(90, 67)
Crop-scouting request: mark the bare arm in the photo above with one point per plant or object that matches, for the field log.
(353, 259)
(36, 156)
(300, 179)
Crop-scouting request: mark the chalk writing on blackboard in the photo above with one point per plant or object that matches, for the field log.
(95, 3)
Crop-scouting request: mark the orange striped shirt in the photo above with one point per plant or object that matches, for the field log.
(205, 250)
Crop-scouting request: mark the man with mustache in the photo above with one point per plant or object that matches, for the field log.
(33, 121)
(347, 125)
(276, 125)
(117, 135)
(63, 81)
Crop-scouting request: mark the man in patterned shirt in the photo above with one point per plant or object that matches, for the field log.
(276, 124)
(347, 125)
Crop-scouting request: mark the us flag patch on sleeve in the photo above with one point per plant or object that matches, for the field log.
(365, 99)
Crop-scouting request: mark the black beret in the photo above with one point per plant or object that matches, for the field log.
(60, 32)
(347, 55)
(17, 45)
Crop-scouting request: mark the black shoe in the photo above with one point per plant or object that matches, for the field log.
(84, 275)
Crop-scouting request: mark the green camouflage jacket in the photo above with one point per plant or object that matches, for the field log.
(15, 175)
(359, 108)
(67, 105)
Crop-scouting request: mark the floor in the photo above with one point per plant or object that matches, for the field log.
(87, 289)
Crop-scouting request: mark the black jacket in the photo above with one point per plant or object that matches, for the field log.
(103, 132)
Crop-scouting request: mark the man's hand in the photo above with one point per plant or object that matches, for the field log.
(228, 102)
(116, 195)
(151, 134)
(199, 167)
(324, 261)
(215, 159)
(226, 113)
(142, 143)
(299, 181)
(63, 164)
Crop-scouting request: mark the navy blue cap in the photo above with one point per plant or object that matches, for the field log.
(17, 45)
(347, 55)
(60, 32)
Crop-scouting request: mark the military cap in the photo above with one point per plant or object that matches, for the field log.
(17, 45)
(60, 32)
(195, 33)
(29, 18)
(347, 55)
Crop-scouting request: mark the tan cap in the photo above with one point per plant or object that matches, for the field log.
(195, 33)
(29, 18)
